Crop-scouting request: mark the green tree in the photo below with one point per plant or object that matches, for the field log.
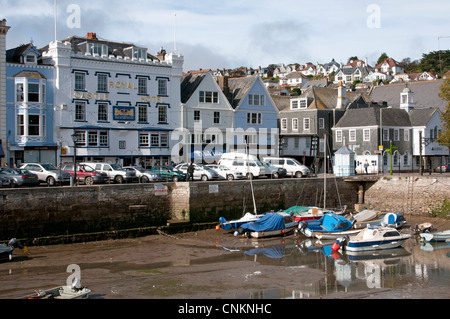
(410, 66)
(352, 58)
(382, 57)
(444, 136)
(435, 61)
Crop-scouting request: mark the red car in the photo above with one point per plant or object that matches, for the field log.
(85, 174)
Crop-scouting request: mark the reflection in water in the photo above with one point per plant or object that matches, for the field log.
(354, 271)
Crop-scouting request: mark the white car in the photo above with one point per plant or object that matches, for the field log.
(114, 171)
(201, 172)
(47, 173)
(225, 172)
(143, 174)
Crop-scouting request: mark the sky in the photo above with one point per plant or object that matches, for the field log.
(213, 34)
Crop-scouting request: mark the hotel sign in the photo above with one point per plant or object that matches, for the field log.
(124, 113)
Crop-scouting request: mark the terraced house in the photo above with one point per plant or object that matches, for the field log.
(121, 102)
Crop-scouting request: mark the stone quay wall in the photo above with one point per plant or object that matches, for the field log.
(58, 211)
(409, 194)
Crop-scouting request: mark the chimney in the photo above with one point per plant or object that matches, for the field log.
(222, 81)
(161, 54)
(91, 36)
(342, 96)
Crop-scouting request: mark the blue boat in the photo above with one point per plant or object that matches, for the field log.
(329, 223)
(271, 224)
(236, 223)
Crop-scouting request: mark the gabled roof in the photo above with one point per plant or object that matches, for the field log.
(239, 88)
(421, 117)
(14, 55)
(390, 61)
(190, 82)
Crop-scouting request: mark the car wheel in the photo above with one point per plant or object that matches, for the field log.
(144, 179)
(51, 181)
(275, 175)
(118, 179)
(298, 174)
(13, 184)
(249, 175)
(204, 178)
(175, 179)
(230, 177)
(88, 180)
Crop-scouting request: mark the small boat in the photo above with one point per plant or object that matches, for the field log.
(75, 291)
(374, 238)
(7, 249)
(329, 223)
(436, 236)
(337, 234)
(303, 213)
(394, 220)
(236, 223)
(271, 224)
(365, 215)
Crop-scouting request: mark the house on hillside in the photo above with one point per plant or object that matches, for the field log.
(255, 117)
(206, 115)
(390, 67)
(328, 68)
(295, 78)
(350, 74)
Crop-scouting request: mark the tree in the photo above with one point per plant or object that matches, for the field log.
(435, 61)
(352, 58)
(410, 66)
(382, 57)
(444, 136)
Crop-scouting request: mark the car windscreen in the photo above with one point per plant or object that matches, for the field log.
(49, 167)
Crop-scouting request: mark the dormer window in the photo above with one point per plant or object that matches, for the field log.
(139, 53)
(299, 104)
(30, 59)
(97, 49)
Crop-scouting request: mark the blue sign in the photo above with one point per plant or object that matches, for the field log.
(124, 113)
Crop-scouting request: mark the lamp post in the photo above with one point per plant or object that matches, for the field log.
(75, 141)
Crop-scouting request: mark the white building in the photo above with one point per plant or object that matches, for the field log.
(121, 102)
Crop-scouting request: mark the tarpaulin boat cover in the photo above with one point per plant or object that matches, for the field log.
(330, 222)
(297, 209)
(270, 221)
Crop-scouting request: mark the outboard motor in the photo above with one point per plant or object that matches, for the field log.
(15, 243)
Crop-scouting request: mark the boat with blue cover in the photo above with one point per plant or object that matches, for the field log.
(329, 223)
(394, 220)
(271, 224)
(236, 223)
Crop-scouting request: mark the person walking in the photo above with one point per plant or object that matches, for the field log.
(190, 171)
(366, 166)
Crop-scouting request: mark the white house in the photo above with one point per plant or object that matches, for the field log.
(120, 101)
(206, 115)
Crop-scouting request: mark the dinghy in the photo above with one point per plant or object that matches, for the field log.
(303, 213)
(328, 224)
(394, 220)
(7, 249)
(436, 236)
(271, 224)
(236, 223)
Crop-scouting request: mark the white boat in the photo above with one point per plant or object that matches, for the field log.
(374, 238)
(75, 291)
(436, 236)
(365, 215)
(337, 234)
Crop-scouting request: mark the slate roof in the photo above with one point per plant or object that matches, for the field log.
(239, 87)
(371, 117)
(13, 55)
(426, 94)
(421, 117)
(189, 83)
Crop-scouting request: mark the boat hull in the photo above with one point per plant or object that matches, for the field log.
(272, 233)
(336, 235)
(376, 244)
(438, 236)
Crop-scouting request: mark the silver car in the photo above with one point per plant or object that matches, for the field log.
(143, 174)
(225, 172)
(47, 173)
(19, 177)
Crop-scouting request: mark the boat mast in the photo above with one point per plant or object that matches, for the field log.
(325, 171)
(249, 175)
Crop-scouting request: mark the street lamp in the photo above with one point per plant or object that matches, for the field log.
(75, 141)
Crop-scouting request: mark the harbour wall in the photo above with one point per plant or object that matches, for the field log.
(29, 213)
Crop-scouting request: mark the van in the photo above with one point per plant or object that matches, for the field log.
(114, 171)
(292, 166)
(245, 163)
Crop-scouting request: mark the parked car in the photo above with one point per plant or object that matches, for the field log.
(85, 173)
(169, 173)
(143, 174)
(19, 177)
(115, 172)
(225, 172)
(5, 182)
(293, 167)
(245, 163)
(201, 172)
(47, 173)
(276, 172)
